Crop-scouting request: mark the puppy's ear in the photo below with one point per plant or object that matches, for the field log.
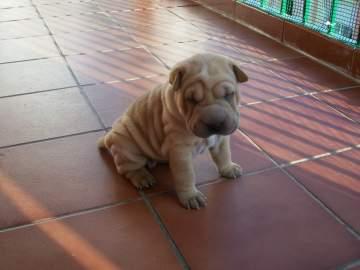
(239, 74)
(176, 77)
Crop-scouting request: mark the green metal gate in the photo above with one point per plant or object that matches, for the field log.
(338, 19)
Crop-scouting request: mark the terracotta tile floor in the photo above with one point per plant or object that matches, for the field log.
(69, 69)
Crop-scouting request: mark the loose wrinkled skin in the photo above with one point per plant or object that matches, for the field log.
(196, 109)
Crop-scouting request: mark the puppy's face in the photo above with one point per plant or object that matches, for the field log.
(206, 93)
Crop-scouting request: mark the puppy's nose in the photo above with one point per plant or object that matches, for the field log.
(215, 127)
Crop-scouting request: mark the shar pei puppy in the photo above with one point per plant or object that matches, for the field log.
(197, 109)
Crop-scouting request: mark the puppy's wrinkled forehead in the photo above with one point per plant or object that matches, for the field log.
(208, 69)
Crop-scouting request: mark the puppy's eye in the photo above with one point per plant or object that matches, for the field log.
(229, 96)
(192, 100)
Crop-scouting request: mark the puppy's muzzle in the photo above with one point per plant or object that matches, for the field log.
(215, 119)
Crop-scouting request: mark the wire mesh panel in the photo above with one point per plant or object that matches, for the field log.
(345, 20)
(317, 15)
(255, 3)
(294, 10)
(339, 19)
(273, 6)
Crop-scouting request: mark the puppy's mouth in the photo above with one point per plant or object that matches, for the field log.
(204, 130)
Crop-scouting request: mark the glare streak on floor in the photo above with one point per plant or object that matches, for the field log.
(69, 69)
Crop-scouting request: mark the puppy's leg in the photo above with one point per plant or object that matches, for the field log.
(133, 169)
(184, 177)
(222, 157)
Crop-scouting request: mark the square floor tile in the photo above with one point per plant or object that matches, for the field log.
(145, 17)
(107, 239)
(106, 67)
(88, 42)
(156, 35)
(259, 48)
(67, 175)
(346, 101)
(309, 75)
(173, 53)
(264, 85)
(30, 76)
(296, 128)
(259, 222)
(24, 28)
(335, 180)
(111, 100)
(89, 22)
(221, 27)
(11, 14)
(44, 115)
(65, 9)
(27, 49)
(249, 157)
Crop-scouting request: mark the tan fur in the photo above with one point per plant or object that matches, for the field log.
(160, 126)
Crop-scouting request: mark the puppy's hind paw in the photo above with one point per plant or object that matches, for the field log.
(192, 200)
(142, 179)
(143, 183)
(232, 171)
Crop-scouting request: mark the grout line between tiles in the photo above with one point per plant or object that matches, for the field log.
(314, 93)
(312, 195)
(52, 138)
(28, 60)
(11, 7)
(326, 154)
(73, 214)
(158, 59)
(85, 85)
(333, 108)
(180, 257)
(136, 40)
(100, 11)
(42, 91)
(96, 114)
(23, 37)
(331, 212)
(104, 51)
(18, 20)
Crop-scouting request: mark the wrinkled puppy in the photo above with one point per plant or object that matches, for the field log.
(197, 109)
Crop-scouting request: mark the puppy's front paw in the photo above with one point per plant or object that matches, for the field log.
(192, 200)
(232, 171)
